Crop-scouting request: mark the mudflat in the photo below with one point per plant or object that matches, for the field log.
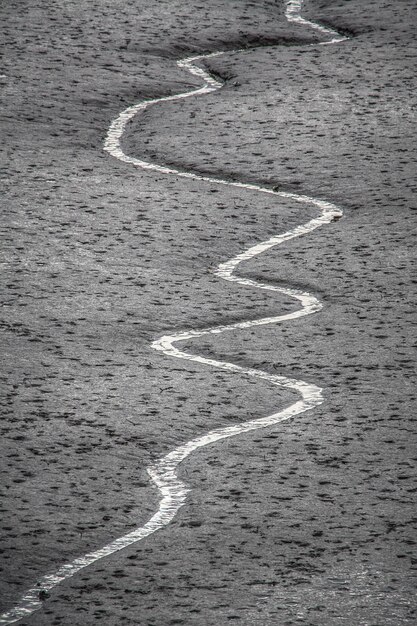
(309, 522)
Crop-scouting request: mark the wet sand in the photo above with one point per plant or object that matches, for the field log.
(312, 522)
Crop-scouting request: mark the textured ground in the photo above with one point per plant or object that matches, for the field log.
(312, 522)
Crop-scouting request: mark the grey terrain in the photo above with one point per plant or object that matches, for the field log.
(312, 522)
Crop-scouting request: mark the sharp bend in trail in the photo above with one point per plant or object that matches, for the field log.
(163, 472)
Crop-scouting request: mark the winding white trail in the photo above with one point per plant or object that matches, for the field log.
(163, 473)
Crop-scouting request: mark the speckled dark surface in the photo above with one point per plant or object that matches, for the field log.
(312, 522)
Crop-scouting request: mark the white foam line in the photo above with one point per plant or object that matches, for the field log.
(163, 472)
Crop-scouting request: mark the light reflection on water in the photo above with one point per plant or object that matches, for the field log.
(355, 597)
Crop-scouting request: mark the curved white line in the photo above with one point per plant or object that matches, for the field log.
(163, 472)
(293, 14)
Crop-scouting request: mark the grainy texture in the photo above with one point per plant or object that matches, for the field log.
(312, 522)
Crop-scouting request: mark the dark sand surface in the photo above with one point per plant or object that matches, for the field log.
(312, 522)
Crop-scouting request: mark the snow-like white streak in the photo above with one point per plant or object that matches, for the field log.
(293, 14)
(164, 472)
